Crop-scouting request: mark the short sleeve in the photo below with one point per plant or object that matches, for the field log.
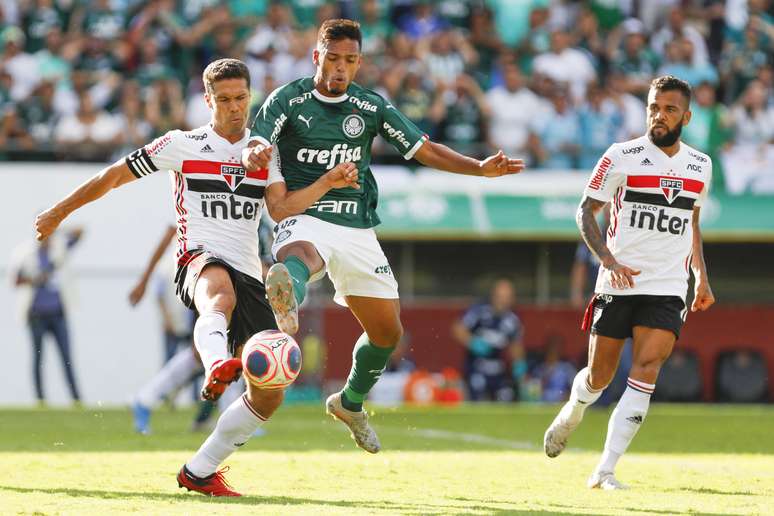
(471, 318)
(160, 154)
(707, 185)
(275, 170)
(518, 329)
(270, 119)
(401, 132)
(606, 178)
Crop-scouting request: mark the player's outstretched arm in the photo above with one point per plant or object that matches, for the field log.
(108, 178)
(441, 157)
(703, 297)
(138, 291)
(621, 276)
(283, 203)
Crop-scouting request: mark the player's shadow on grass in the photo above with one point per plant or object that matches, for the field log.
(407, 508)
(709, 490)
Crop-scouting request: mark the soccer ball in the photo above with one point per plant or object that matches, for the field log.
(271, 360)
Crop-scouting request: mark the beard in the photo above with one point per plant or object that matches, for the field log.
(668, 139)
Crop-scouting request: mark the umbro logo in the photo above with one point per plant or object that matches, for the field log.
(206, 148)
(635, 419)
(646, 163)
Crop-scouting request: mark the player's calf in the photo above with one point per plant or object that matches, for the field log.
(571, 414)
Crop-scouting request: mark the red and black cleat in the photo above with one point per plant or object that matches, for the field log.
(221, 375)
(213, 485)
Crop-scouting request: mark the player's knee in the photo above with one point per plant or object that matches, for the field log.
(264, 401)
(646, 370)
(600, 378)
(387, 336)
(225, 302)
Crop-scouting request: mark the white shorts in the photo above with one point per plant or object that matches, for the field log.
(353, 258)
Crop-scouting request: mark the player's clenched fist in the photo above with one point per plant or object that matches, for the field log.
(703, 298)
(342, 175)
(46, 223)
(256, 157)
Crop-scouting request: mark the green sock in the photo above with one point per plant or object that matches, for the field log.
(299, 273)
(368, 362)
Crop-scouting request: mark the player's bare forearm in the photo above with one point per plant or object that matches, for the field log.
(283, 203)
(698, 266)
(703, 297)
(441, 157)
(108, 178)
(586, 218)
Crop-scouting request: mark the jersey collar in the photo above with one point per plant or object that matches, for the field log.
(329, 100)
(241, 142)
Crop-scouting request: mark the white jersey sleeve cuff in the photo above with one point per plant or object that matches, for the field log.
(413, 150)
(260, 139)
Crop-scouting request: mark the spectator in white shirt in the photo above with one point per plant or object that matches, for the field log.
(88, 132)
(566, 65)
(513, 108)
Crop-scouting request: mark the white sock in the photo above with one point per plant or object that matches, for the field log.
(235, 426)
(178, 371)
(210, 338)
(581, 397)
(232, 392)
(625, 421)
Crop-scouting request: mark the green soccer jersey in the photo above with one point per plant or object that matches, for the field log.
(314, 133)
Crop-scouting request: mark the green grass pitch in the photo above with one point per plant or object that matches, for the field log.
(484, 459)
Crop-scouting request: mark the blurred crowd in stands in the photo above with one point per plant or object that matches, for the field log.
(554, 81)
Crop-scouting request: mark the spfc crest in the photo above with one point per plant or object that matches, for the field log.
(671, 188)
(233, 174)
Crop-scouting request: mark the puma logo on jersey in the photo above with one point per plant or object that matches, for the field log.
(305, 120)
(340, 153)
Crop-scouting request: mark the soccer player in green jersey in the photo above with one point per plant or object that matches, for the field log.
(305, 128)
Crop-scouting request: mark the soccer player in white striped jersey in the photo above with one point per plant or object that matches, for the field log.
(655, 185)
(218, 205)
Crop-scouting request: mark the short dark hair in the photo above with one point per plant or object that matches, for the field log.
(671, 83)
(337, 29)
(224, 69)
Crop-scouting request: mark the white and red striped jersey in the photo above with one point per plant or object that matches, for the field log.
(651, 197)
(217, 203)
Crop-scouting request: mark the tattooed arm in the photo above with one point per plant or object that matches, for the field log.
(621, 276)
